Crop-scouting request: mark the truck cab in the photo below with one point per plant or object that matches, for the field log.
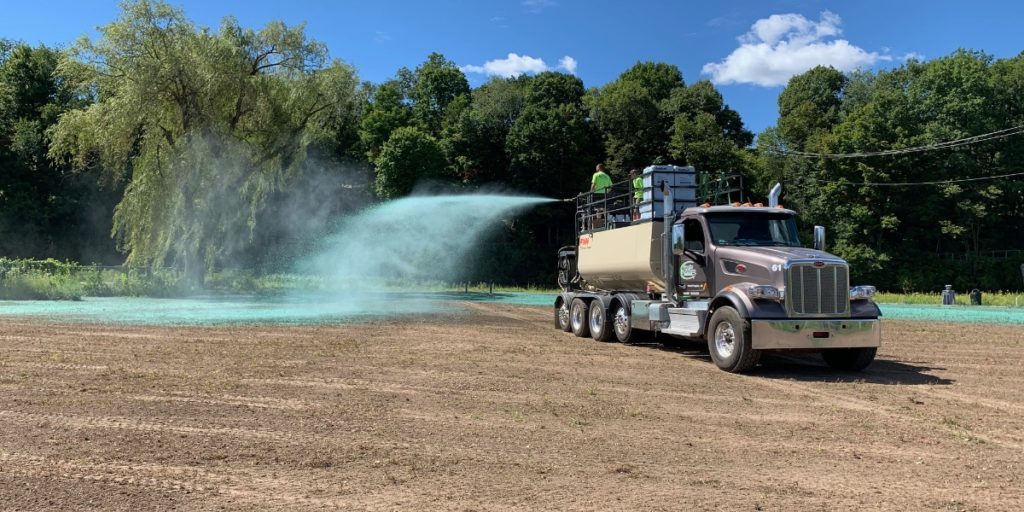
(734, 276)
(761, 283)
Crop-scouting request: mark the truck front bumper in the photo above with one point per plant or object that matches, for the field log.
(815, 334)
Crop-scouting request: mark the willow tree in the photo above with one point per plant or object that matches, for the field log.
(201, 125)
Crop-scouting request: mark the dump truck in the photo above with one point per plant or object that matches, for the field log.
(653, 262)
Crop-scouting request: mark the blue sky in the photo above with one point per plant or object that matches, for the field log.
(746, 47)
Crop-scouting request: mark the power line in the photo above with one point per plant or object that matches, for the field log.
(998, 134)
(923, 183)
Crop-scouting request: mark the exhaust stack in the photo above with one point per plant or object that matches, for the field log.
(667, 268)
(773, 195)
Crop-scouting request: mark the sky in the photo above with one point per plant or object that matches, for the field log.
(748, 48)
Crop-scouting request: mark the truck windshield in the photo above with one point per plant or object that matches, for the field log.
(764, 229)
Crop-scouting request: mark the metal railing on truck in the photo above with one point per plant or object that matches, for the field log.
(618, 205)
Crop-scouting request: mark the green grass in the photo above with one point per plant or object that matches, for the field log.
(1000, 298)
(56, 280)
(23, 279)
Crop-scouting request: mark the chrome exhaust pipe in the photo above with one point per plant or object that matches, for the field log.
(773, 195)
(667, 268)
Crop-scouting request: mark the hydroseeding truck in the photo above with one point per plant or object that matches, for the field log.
(734, 276)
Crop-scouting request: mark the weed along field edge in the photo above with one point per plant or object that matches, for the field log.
(485, 405)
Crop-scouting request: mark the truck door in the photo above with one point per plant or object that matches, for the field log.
(693, 263)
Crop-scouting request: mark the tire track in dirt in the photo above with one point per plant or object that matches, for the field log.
(336, 383)
(54, 366)
(189, 480)
(991, 403)
(122, 423)
(856, 404)
(69, 351)
(493, 309)
(255, 402)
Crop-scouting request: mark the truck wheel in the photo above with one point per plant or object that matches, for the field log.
(562, 316)
(578, 318)
(852, 359)
(600, 327)
(622, 324)
(729, 341)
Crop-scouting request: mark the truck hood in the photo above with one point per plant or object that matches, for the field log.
(768, 255)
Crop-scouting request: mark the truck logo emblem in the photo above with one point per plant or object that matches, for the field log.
(819, 264)
(687, 271)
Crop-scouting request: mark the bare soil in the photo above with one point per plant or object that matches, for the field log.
(496, 410)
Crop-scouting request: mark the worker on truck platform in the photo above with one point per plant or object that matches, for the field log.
(600, 182)
(638, 191)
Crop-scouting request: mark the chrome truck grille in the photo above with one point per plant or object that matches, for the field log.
(817, 291)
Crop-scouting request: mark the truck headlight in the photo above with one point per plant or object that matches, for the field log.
(862, 292)
(764, 292)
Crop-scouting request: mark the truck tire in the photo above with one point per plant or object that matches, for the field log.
(622, 323)
(579, 318)
(850, 359)
(601, 328)
(728, 339)
(562, 316)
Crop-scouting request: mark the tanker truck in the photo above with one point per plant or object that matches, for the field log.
(734, 276)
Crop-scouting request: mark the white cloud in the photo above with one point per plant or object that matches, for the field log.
(515, 65)
(783, 45)
(536, 6)
(568, 64)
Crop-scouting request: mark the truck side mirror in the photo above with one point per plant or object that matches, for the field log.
(678, 239)
(819, 238)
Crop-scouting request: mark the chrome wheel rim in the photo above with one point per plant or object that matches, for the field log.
(563, 314)
(577, 318)
(621, 322)
(725, 340)
(596, 320)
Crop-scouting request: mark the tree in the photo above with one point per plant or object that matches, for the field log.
(551, 146)
(705, 132)
(45, 209)
(810, 102)
(436, 83)
(474, 136)
(385, 112)
(899, 236)
(202, 125)
(698, 141)
(702, 98)
(551, 89)
(631, 125)
(657, 78)
(630, 117)
(410, 156)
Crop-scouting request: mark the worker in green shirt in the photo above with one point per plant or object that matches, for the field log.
(600, 182)
(638, 192)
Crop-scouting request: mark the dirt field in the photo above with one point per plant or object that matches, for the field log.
(497, 410)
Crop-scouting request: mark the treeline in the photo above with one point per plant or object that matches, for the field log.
(211, 149)
(907, 238)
